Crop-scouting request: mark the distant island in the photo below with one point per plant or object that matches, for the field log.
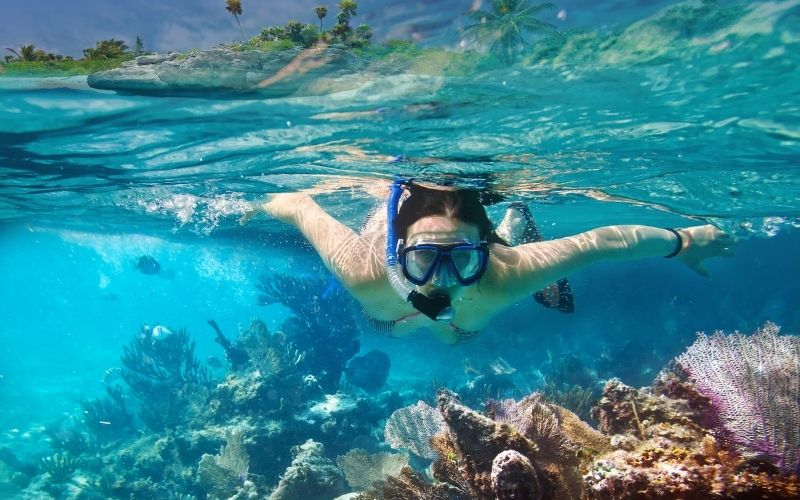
(487, 32)
(506, 33)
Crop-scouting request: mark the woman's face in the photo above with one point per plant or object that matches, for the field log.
(441, 230)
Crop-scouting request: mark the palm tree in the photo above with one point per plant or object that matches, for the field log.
(503, 27)
(235, 8)
(347, 9)
(321, 11)
(12, 58)
(26, 52)
(106, 49)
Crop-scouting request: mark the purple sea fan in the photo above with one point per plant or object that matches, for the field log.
(753, 383)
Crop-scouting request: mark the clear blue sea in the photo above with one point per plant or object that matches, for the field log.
(663, 128)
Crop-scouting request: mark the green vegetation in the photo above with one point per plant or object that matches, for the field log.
(504, 26)
(106, 50)
(30, 61)
(297, 34)
(29, 53)
(65, 67)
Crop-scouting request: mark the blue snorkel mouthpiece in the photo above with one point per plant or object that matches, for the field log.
(438, 307)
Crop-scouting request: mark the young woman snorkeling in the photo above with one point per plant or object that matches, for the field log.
(432, 258)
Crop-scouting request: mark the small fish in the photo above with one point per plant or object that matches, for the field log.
(112, 375)
(214, 362)
(148, 265)
(160, 333)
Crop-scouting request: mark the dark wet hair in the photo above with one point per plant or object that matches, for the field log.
(462, 204)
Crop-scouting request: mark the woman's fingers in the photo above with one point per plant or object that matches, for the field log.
(244, 219)
(699, 269)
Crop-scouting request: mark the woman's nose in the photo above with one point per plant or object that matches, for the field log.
(442, 276)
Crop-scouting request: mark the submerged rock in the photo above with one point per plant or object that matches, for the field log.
(296, 71)
(369, 371)
(311, 476)
(513, 476)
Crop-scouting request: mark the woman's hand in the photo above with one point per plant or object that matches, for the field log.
(282, 206)
(703, 242)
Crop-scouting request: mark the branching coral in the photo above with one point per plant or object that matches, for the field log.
(108, 418)
(410, 485)
(321, 326)
(59, 466)
(152, 363)
(575, 398)
(160, 367)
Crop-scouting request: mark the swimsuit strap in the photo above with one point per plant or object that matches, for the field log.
(465, 336)
(381, 326)
(385, 328)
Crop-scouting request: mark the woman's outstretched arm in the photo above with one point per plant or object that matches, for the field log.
(352, 259)
(517, 272)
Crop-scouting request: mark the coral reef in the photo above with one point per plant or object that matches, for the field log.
(413, 427)
(108, 418)
(362, 469)
(59, 466)
(321, 326)
(753, 383)
(161, 370)
(661, 451)
(311, 476)
(526, 448)
(478, 440)
(410, 485)
(514, 476)
(666, 442)
(575, 398)
(223, 474)
(235, 356)
(227, 439)
(168, 431)
(269, 382)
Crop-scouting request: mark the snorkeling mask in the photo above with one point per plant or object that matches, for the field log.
(459, 263)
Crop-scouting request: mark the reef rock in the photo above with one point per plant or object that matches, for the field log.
(514, 477)
(368, 371)
(296, 71)
(663, 452)
(311, 476)
(475, 451)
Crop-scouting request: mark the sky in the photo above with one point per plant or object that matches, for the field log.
(69, 26)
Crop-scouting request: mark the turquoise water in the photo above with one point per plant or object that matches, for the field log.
(683, 130)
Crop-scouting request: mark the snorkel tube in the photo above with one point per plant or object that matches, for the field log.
(438, 308)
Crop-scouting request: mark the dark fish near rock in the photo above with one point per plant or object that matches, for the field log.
(368, 371)
(214, 362)
(148, 265)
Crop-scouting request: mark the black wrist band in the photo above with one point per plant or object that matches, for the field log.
(679, 247)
